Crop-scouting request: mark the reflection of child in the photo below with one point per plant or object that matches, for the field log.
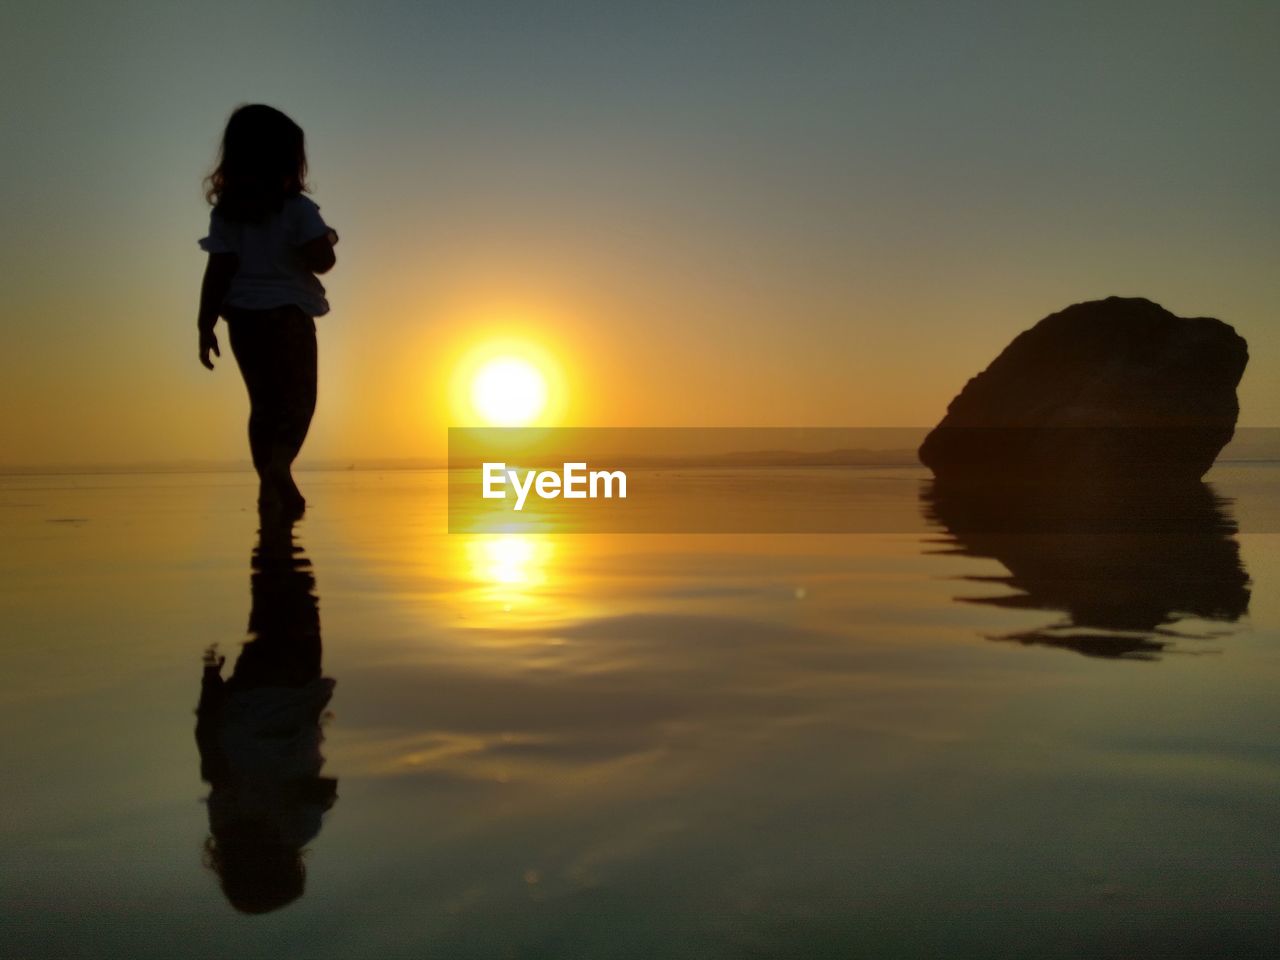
(260, 753)
(259, 734)
(266, 243)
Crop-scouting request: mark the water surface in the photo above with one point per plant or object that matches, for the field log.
(951, 741)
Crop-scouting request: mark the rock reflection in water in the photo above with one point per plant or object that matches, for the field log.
(1124, 565)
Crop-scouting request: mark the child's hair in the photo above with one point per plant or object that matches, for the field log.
(263, 161)
(257, 874)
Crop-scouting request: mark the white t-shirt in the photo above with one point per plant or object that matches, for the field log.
(271, 271)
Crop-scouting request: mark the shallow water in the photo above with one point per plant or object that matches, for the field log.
(942, 742)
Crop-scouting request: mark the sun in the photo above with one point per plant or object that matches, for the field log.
(507, 380)
(509, 392)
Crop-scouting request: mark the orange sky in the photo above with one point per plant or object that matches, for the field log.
(811, 218)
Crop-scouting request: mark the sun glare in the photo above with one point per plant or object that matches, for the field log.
(509, 392)
(507, 380)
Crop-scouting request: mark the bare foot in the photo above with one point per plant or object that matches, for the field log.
(270, 503)
(284, 491)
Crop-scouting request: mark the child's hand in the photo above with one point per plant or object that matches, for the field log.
(208, 342)
(213, 664)
(317, 254)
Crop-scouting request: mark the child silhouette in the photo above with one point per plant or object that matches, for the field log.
(266, 243)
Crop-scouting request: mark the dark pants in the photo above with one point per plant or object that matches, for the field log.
(276, 352)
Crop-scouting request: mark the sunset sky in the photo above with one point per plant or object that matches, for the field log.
(729, 214)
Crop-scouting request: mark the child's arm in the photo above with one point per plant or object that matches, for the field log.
(317, 254)
(213, 290)
(213, 694)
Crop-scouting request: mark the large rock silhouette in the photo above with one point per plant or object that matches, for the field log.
(1109, 389)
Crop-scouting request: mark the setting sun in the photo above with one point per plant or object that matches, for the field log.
(507, 380)
(509, 392)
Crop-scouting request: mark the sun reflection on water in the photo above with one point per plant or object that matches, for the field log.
(509, 570)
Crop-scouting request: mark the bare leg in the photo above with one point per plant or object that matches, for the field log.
(276, 352)
(298, 380)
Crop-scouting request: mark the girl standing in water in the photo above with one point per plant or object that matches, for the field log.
(266, 244)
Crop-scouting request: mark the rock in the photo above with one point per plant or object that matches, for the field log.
(1109, 389)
